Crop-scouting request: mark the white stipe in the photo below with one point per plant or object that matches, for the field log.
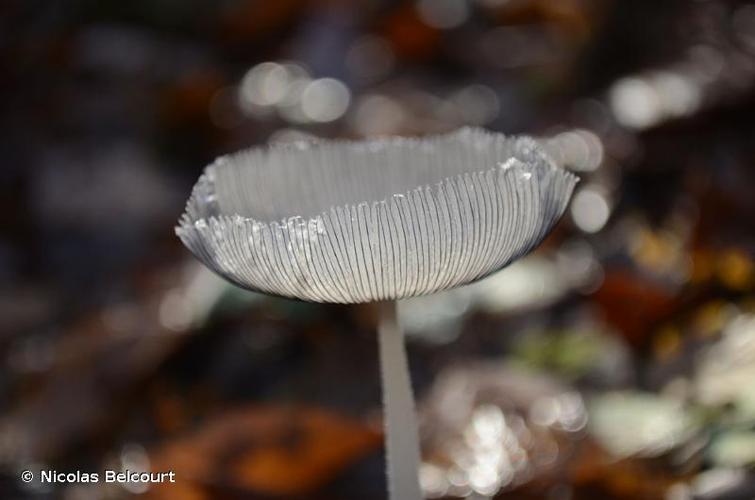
(402, 439)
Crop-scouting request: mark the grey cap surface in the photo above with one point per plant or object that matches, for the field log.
(348, 222)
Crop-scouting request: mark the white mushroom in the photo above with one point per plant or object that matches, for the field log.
(375, 221)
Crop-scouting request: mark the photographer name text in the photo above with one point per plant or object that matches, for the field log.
(107, 476)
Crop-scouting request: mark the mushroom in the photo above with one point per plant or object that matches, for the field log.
(376, 221)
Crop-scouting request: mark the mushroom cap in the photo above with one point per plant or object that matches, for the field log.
(363, 221)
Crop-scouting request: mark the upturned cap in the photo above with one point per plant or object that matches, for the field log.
(362, 221)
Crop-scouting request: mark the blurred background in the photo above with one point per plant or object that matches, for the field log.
(615, 362)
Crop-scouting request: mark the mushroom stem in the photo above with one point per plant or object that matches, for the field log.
(401, 436)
